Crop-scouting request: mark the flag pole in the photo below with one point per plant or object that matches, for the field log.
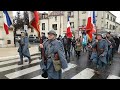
(96, 38)
(41, 41)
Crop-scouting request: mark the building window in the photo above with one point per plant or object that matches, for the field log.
(43, 16)
(83, 12)
(107, 25)
(43, 26)
(71, 13)
(113, 27)
(72, 24)
(84, 22)
(8, 41)
(55, 18)
(54, 26)
(107, 16)
(111, 18)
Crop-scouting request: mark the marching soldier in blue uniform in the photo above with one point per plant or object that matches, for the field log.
(111, 45)
(54, 55)
(99, 53)
(23, 48)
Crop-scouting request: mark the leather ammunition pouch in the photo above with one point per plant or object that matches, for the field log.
(100, 51)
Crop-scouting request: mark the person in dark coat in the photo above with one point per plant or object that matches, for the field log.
(73, 43)
(23, 48)
(43, 37)
(67, 45)
(52, 47)
(117, 43)
(112, 46)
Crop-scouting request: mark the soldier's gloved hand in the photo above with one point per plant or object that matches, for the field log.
(41, 46)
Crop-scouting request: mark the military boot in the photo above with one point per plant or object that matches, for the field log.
(30, 60)
(20, 62)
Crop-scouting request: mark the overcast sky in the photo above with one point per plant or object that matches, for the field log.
(116, 13)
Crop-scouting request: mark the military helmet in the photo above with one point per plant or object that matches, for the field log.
(52, 32)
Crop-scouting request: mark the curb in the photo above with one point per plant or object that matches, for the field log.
(15, 57)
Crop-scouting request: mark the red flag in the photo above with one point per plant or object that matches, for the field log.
(69, 32)
(90, 26)
(34, 21)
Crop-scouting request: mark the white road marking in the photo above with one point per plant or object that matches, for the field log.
(17, 66)
(84, 74)
(70, 66)
(113, 77)
(22, 72)
(15, 60)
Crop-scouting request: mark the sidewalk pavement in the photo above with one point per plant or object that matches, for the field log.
(11, 52)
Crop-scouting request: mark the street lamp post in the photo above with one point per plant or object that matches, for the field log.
(14, 22)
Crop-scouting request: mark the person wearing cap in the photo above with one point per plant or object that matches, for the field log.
(23, 48)
(52, 47)
(100, 49)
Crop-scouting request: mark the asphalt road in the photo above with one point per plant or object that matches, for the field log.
(77, 69)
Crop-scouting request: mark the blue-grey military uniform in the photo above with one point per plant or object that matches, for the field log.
(98, 58)
(24, 49)
(55, 47)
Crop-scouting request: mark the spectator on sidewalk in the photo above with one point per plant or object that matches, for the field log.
(23, 48)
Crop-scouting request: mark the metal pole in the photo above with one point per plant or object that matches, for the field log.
(14, 36)
(78, 24)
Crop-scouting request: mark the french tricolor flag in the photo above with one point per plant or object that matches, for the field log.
(7, 21)
(69, 32)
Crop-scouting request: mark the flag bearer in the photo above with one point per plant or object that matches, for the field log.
(54, 51)
(99, 53)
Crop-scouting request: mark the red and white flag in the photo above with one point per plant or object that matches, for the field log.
(34, 20)
(69, 32)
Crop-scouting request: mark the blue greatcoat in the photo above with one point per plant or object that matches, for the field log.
(25, 49)
(55, 46)
(102, 44)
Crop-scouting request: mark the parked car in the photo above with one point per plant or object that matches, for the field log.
(32, 38)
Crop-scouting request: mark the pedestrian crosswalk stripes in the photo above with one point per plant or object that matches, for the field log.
(16, 66)
(33, 71)
(85, 74)
(22, 72)
(16, 60)
(113, 77)
(70, 66)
